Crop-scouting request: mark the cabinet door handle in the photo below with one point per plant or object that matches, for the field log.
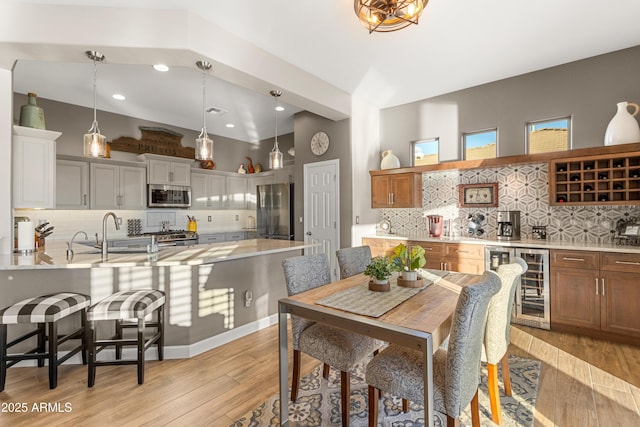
(596, 286)
(628, 262)
(393, 198)
(602, 286)
(170, 176)
(461, 252)
(565, 258)
(427, 249)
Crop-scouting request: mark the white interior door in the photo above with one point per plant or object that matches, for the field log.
(322, 209)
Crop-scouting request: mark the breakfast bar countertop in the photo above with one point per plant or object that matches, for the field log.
(524, 243)
(54, 255)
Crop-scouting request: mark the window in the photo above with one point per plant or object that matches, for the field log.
(544, 136)
(480, 145)
(425, 152)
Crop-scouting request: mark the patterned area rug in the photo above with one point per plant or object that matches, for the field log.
(318, 402)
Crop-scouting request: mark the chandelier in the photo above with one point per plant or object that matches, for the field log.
(275, 156)
(388, 15)
(204, 144)
(95, 144)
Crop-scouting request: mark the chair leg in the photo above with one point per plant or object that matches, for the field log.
(3, 356)
(494, 393)
(373, 406)
(345, 397)
(83, 336)
(91, 352)
(452, 422)
(42, 340)
(475, 411)
(53, 355)
(506, 374)
(325, 371)
(295, 376)
(405, 405)
(161, 330)
(140, 351)
(119, 337)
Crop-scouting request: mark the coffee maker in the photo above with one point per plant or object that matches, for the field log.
(508, 225)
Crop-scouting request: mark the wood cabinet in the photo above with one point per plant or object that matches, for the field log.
(402, 190)
(380, 246)
(167, 170)
(34, 168)
(72, 184)
(612, 179)
(596, 291)
(117, 186)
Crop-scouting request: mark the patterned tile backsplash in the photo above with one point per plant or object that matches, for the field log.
(524, 188)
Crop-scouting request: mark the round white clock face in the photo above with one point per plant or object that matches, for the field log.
(319, 143)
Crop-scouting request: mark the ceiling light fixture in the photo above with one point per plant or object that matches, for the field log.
(275, 156)
(161, 67)
(388, 15)
(118, 96)
(204, 145)
(95, 144)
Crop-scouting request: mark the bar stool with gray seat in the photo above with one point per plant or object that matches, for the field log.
(353, 261)
(46, 311)
(129, 310)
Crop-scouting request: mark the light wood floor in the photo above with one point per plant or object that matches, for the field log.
(584, 382)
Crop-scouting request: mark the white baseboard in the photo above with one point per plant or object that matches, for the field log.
(177, 351)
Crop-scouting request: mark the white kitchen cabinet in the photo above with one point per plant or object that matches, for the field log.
(234, 236)
(167, 170)
(208, 191)
(237, 192)
(117, 186)
(34, 168)
(72, 184)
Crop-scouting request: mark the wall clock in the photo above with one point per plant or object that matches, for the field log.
(319, 143)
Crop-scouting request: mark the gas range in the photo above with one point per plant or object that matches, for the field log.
(178, 237)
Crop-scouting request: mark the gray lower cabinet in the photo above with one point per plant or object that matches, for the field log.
(234, 236)
(210, 238)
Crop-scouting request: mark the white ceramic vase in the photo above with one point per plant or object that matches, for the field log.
(623, 127)
(389, 160)
(410, 275)
(379, 282)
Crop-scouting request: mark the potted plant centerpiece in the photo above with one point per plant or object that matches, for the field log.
(379, 270)
(408, 260)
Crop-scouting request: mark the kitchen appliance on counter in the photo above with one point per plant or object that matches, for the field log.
(531, 304)
(508, 225)
(274, 211)
(168, 196)
(435, 225)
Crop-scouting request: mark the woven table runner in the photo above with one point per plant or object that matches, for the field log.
(360, 300)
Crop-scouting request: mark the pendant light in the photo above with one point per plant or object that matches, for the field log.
(204, 145)
(275, 156)
(95, 144)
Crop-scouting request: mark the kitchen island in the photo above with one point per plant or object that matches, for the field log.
(215, 293)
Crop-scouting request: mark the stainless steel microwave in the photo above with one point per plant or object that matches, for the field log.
(168, 196)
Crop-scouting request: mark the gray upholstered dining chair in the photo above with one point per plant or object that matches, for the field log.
(353, 261)
(335, 347)
(497, 333)
(456, 370)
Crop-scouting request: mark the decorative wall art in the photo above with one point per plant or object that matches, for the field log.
(478, 195)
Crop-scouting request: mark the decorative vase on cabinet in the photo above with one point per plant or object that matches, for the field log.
(31, 115)
(623, 127)
(389, 160)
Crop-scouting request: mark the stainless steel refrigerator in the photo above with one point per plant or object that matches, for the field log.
(275, 211)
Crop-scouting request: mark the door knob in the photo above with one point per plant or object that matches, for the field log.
(308, 233)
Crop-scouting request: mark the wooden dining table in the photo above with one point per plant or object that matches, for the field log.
(421, 322)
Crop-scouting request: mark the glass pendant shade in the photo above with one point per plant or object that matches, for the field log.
(276, 160)
(95, 144)
(388, 15)
(204, 144)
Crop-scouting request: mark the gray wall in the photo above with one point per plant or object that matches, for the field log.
(305, 125)
(588, 90)
(73, 121)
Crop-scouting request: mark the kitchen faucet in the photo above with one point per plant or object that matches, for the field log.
(70, 244)
(105, 245)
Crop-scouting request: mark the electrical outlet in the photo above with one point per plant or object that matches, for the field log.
(248, 297)
(209, 218)
(237, 217)
(119, 220)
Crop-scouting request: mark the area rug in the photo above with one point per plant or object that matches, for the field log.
(318, 403)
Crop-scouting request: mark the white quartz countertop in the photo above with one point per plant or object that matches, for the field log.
(524, 243)
(54, 255)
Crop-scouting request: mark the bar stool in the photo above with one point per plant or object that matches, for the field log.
(128, 309)
(44, 310)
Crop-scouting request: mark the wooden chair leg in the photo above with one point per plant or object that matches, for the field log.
(3, 356)
(91, 352)
(506, 374)
(53, 355)
(295, 376)
(42, 340)
(83, 336)
(325, 371)
(373, 406)
(405, 405)
(452, 422)
(119, 337)
(345, 397)
(160, 342)
(140, 351)
(475, 411)
(494, 393)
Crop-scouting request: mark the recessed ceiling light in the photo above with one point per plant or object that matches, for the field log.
(279, 108)
(118, 96)
(230, 125)
(161, 67)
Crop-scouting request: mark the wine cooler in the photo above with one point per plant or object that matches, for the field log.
(531, 304)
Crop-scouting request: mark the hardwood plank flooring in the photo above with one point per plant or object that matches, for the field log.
(583, 382)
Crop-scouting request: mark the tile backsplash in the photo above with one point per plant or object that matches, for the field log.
(522, 187)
